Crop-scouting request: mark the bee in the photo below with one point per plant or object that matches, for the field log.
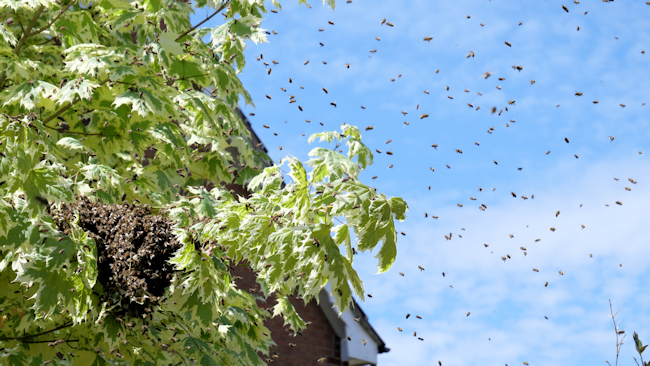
(421, 268)
(306, 62)
(292, 345)
(522, 248)
(428, 39)
(459, 151)
(595, 102)
(363, 341)
(486, 245)
(400, 329)
(561, 273)
(512, 236)
(470, 54)
(389, 153)
(628, 188)
(532, 82)
(552, 229)
(473, 198)
(493, 110)
(576, 155)
(450, 97)
(333, 103)
(498, 87)
(582, 226)
(322, 360)
(518, 68)
(401, 274)
(535, 269)
(383, 21)
(389, 141)
(408, 315)
(268, 96)
(426, 92)
(482, 24)
(503, 259)
(373, 51)
(390, 166)
(511, 102)
(508, 44)
(565, 8)
(435, 146)
(496, 162)
(424, 116)
(557, 214)
(459, 205)
(520, 23)
(619, 203)
(468, 313)
(347, 65)
(579, 94)
(325, 90)
(362, 107)
(419, 317)
(330, 22)
(389, 24)
(548, 152)
(546, 284)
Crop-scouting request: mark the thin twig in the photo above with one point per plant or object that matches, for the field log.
(618, 343)
(201, 23)
(50, 341)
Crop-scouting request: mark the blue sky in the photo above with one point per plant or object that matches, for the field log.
(507, 300)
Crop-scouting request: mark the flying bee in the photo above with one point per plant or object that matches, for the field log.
(508, 44)
(428, 39)
(421, 268)
(565, 8)
(552, 229)
(535, 269)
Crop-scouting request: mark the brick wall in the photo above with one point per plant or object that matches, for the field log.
(317, 341)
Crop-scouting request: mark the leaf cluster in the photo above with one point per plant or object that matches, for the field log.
(116, 116)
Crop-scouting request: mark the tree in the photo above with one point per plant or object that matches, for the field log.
(114, 248)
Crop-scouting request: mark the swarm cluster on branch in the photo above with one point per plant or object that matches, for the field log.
(133, 247)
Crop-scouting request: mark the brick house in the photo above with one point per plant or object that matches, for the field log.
(348, 340)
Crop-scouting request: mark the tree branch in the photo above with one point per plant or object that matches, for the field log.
(21, 41)
(201, 23)
(60, 111)
(30, 336)
(54, 20)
